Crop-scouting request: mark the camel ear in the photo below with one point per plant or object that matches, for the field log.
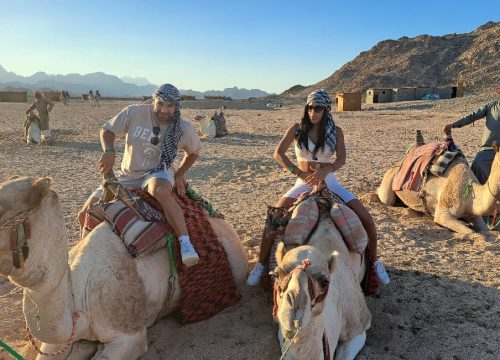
(277, 272)
(332, 262)
(41, 187)
(280, 253)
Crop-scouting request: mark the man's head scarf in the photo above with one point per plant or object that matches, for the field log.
(322, 98)
(173, 133)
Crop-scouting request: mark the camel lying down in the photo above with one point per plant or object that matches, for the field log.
(95, 301)
(319, 304)
(453, 198)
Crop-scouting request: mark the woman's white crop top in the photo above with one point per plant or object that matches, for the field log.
(323, 155)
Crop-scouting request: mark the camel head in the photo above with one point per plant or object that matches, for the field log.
(17, 195)
(301, 286)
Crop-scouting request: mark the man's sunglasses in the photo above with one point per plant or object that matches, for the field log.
(155, 139)
(317, 108)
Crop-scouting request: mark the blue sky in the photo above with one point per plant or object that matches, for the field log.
(269, 45)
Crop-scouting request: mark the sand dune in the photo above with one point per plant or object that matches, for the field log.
(442, 303)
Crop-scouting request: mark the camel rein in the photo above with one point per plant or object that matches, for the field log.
(20, 233)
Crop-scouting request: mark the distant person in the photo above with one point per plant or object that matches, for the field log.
(43, 106)
(97, 94)
(320, 152)
(91, 92)
(153, 134)
(220, 124)
(481, 165)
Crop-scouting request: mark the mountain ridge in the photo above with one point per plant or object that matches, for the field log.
(108, 85)
(423, 60)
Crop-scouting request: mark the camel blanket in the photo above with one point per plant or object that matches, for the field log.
(414, 168)
(208, 287)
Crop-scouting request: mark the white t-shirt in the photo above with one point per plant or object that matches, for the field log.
(135, 124)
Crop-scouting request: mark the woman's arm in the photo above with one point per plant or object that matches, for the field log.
(282, 148)
(340, 152)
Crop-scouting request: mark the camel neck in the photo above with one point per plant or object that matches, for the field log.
(483, 199)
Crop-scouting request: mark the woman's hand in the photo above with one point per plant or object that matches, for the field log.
(317, 177)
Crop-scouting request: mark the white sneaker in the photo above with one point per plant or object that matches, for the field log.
(256, 274)
(188, 253)
(381, 273)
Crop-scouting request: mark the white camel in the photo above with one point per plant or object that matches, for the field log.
(97, 292)
(453, 198)
(321, 309)
(32, 132)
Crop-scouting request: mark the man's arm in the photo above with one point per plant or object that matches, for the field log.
(476, 115)
(186, 164)
(51, 106)
(466, 120)
(31, 108)
(107, 159)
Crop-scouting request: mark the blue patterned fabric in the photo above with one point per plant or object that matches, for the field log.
(322, 98)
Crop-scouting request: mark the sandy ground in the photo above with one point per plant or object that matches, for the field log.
(442, 303)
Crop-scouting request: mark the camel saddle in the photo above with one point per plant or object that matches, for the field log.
(208, 287)
(414, 168)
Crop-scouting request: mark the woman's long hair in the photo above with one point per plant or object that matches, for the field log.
(306, 126)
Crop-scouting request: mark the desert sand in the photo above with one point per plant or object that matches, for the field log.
(442, 303)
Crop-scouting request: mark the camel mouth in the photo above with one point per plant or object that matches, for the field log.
(289, 334)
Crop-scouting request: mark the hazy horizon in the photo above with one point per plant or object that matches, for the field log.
(269, 46)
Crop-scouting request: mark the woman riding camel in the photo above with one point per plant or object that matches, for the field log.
(316, 140)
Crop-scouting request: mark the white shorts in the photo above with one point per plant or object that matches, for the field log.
(141, 182)
(332, 184)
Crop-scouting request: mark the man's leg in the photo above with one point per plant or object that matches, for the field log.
(161, 190)
(481, 166)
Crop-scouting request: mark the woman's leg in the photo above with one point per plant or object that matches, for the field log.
(267, 242)
(368, 224)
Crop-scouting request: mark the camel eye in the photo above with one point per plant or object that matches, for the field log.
(323, 281)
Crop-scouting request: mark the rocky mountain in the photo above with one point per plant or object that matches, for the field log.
(108, 85)
(421, 61)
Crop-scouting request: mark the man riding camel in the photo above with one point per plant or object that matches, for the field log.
(153, 134)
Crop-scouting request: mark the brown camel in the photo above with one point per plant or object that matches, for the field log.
(453, 198)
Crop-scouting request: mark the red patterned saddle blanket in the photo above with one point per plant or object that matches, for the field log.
(208, 287)
(414, 168)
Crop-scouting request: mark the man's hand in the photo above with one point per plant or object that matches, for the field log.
(180, 184)
(447, 128)
(106, 162)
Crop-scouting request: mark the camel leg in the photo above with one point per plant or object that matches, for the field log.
(125, 347)
(79, 350)
(385, 193)
(349, 349)
(446, 219)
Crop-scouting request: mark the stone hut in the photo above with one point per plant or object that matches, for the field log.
(348, 101)
(378, 95)
(13, 96)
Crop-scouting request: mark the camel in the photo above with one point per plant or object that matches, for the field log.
(32, 132)
(318, 297)
(95, 301)
(445, 197)
(206, 126)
